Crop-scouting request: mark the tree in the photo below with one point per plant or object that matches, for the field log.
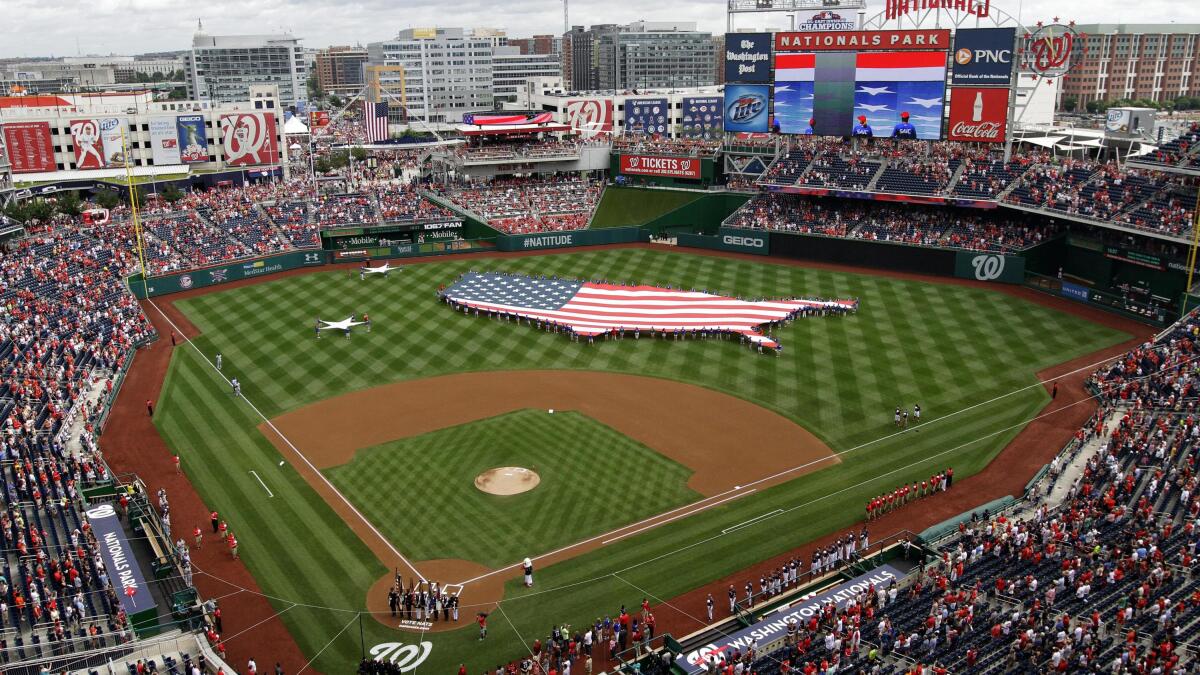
(107, 199)
(68, 204)
(322, 165)
(338, 159)
(1070, 103)
(314, 88)
(1093, 107)
(359, 154)
(171, 193)
(335, 101)
(178, 94)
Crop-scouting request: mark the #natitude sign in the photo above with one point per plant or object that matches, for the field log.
(30, 146)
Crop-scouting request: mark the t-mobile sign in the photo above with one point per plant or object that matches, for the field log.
(978, 114)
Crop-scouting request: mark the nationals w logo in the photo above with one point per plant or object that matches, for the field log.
(988, 267)
(405, 657)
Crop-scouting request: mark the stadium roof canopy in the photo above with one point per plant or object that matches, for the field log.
(1044, 141)
(471, 130)
(294, 127)
(95, 174)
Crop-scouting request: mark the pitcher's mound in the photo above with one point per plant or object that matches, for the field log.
(507, 480)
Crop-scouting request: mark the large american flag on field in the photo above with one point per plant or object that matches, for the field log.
(375, 120)
(596, 308)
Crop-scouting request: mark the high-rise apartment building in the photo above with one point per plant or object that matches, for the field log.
(1159, 62)
(340, 70)
(640, 55)
(446, 72)
(222, 68)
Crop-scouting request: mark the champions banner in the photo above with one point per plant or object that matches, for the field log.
(193, 143)
(249, 138)
(667, 167)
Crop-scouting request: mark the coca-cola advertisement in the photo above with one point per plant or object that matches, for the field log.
(977, 114)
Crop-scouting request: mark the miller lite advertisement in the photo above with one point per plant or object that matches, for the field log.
(978, 114)
(249, 138)
(656, 165)
(746, 108)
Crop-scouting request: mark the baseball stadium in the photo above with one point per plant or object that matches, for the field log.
(646, 382)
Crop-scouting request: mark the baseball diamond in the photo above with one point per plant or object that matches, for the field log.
(398, 503)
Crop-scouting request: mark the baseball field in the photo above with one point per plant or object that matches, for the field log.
(350, 458)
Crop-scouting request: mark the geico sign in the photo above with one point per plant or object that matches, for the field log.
(735, 240)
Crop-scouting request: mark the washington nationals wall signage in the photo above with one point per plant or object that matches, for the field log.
(249, 138)
(1053, 50)
(925, 39)
(590, 117)
(655, 165)
(983, 56)
(978, 114)
(894, 9)
(123, 569)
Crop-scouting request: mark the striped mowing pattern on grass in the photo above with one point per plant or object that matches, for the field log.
(946, 347)
(588, 472)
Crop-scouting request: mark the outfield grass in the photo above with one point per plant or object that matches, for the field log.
(622, 206)
(419, 491)
(950, 348)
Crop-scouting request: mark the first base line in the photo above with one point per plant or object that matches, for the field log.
(753, 520)
(260, 482)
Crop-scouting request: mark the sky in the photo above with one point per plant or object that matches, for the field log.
(101, 27)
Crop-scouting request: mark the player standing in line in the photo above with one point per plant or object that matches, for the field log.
(917, 413)
(317, 328)
(708, 604)
(219, 360)
(904, 419)
(897, 416)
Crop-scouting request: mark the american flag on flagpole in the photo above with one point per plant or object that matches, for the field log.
(590, 308)
(375, 120)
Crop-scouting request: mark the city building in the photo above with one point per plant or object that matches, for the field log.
(640, 55)
(446, 72)
(511, 69)
(538, 44)
(223, 67)
(340, 70)
(130, 68)
(386, 83)
(496, 37)
(155, 137)
(1158, 62)
(46, 77)
(719, 60)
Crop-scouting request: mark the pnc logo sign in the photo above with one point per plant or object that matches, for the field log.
(966, 56)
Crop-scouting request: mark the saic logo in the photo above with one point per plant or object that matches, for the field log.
(746, 108)
(988, 267)
(405, 657)
(734, 240)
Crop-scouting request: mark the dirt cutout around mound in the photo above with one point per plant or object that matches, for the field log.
(505, 481)
(703, 429)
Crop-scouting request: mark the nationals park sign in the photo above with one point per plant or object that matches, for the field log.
(665, 167)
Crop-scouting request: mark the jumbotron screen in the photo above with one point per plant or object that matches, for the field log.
(884, 93)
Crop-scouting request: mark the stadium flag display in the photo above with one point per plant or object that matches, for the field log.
(657, 165)
(595, 309)
(375, 121)
(983, 56)
(30, 146)
(746, 108)
(702, 117)
(590, 117)
(978, 114)
(747, 57)
(825, 93)
(249, 139)
(499, 118)
(193, 143)
(164, 142)
(647, 116)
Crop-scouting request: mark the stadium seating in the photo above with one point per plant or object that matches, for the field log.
(521, 205)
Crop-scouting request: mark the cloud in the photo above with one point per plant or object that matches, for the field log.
(55, 27)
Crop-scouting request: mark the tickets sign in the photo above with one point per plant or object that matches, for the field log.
(666, 167)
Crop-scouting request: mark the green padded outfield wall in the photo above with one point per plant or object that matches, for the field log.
(183, 281)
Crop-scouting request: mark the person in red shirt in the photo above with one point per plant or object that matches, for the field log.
(198, 534)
